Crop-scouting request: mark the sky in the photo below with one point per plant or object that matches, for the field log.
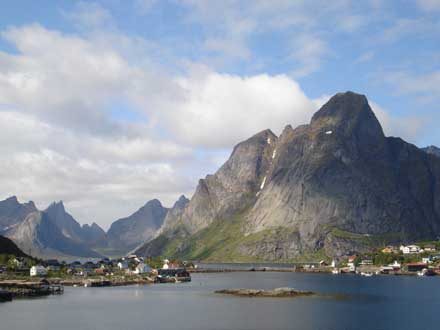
(108, 104)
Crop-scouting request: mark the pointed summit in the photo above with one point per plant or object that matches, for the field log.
(58, 206)
(181, 202)
(349, 114)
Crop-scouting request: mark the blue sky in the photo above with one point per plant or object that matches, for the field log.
(106, 104)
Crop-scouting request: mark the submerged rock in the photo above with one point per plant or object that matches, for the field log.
(278, 292)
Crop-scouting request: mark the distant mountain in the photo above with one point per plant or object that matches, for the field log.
(92, 234)
(38, 236)
(13, 213)
(70, 228)
(433, 150)
(9, 247)
(51, 233)
(127, 233)
(333, 187)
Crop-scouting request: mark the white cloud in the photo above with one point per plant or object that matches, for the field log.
(365, 57)
(429, 5)
(113, 175)
(90, 15)
(307, 52)
(425, 86)
(220, 110)
(59, 138)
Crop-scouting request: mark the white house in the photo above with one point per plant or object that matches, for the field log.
(351, 263)
(395, 265)
(38, 271)
(165, 264)
(410, 249)
(142, 269)
(427, 260)
(123, 264)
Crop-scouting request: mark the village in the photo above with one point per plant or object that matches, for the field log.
(25, 276)
(421, 260)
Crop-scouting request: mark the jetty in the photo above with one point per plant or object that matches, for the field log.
(22, 288)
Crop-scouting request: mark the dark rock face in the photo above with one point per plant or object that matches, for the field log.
(38, 236)
(127, 233)
(336, 185)
(12, 213)
(234, 186)
(64, 221)
(342, 172)
(87, 235)
(92, 234)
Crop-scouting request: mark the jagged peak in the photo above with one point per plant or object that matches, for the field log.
(265, 134)
(12, 199)
(153, 203)
(181, 202)
(342, 105)
(57, 205)
(348, 112)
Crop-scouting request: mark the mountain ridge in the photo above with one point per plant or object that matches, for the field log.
(334, 186)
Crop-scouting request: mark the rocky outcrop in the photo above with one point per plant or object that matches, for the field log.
(275, 293)
(336, 186)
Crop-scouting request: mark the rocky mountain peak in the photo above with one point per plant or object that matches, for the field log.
(153, 204)
(349, 114)
(181, 202)
(57, 207)
(12, 199)
(433, 150)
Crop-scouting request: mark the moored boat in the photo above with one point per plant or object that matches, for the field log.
(173, 275)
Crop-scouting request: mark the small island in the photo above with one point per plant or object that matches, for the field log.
(275, 293)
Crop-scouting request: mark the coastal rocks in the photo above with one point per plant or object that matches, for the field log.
(275, 293)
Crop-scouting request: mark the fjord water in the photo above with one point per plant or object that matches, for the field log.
(375, 303)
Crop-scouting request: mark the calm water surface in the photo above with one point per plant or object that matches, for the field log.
(376, 303)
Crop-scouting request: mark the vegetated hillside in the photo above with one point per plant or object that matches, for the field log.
(10, 248)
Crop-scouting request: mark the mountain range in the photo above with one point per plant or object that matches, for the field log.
(330, 188)
(333, 187)
(54, 233)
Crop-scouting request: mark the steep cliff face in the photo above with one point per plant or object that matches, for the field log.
(12, 213)
(340, 176)
(234, 186)
(231, 190)
(335, 186)
(64, 221)
(88, 235)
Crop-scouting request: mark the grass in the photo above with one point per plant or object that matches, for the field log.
(369, 240)
(221, 242)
